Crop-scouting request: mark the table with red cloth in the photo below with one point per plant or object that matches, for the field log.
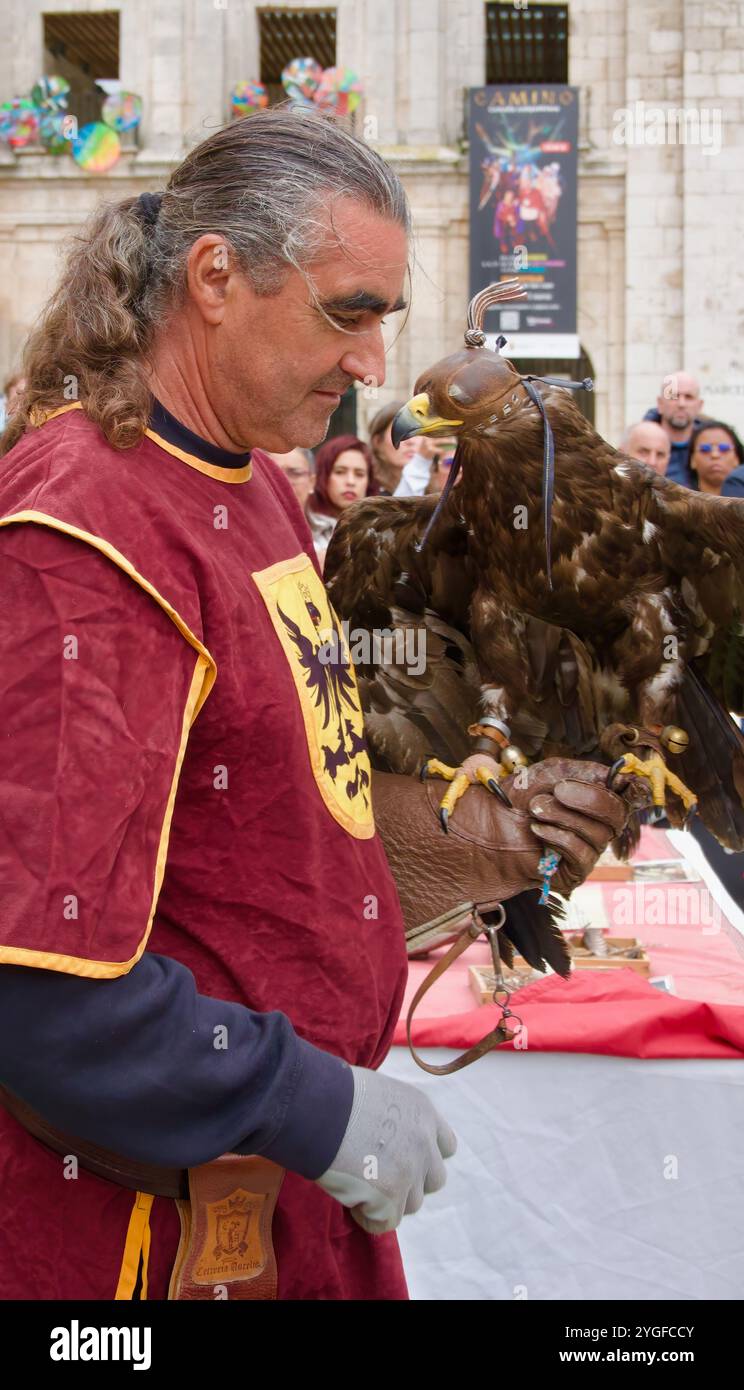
(601, 1154)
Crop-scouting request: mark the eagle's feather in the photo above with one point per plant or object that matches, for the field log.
(642, 625)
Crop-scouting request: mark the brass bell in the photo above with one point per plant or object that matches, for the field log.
(674, 739)
(512, 758)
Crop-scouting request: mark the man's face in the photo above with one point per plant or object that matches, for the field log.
(650, 444)
(276, 368)
(679, 402)
(298, 473)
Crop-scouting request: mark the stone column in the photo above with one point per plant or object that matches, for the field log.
(713, 203)
(206, 91)
(653, 267)
(377, 59)
(242, 59)
(463, 65)
(423, 72)
(158, 41)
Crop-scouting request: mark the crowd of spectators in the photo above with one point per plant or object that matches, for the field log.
(345, 469)
(682, 444)
(674, 438)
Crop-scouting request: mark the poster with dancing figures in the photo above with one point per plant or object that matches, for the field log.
(523, 175)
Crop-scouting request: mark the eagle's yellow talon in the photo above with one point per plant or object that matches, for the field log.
(487, 775)
(433, 768)
(461, 778)
(450, 799)
(655, 770)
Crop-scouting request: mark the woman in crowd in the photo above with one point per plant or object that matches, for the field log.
(343, 475)
(715, 451)
(388, 461)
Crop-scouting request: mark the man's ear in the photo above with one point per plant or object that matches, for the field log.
(209, 266)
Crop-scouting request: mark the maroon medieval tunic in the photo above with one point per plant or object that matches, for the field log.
(234, 835)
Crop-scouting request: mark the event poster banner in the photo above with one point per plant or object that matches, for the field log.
(523, 176)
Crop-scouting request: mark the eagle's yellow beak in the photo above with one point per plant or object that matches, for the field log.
(414, 418)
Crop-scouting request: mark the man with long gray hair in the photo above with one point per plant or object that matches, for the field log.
(202, 955)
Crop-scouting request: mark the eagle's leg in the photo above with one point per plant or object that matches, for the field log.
(655, 770)
(479, 767)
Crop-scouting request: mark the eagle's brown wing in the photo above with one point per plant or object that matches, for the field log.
(419, 698)
(701, 539)
(420, 689)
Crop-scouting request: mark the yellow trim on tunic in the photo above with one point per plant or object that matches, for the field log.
(98, 543)
(136, 1244)
(212, 470)
(202, 680)
(38, 420)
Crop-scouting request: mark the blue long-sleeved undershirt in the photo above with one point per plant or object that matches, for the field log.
(146, 1066)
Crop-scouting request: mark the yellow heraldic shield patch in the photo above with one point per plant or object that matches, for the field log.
(323, 673)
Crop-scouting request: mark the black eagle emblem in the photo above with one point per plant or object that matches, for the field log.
(332, 688)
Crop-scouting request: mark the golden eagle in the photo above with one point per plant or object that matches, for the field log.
(572, 602)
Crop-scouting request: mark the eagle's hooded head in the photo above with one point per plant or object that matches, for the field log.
(469, 393)
(464, 393)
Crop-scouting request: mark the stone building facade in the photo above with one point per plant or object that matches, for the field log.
(661, 277)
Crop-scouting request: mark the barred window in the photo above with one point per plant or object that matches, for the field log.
(526, 45)
(81, 47)
(288, 34)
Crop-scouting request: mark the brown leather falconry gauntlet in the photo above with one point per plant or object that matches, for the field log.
(491, 852)
(489, 856)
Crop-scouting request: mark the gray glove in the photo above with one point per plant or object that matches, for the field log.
(391, 1153)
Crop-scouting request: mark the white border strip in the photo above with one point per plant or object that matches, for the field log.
(690, 850)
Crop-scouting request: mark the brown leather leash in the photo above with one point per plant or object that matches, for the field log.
(475, 928)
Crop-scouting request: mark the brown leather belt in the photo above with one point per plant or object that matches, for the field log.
(127, 1172)
(226, 1209)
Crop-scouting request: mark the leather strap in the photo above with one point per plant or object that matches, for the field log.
(487, 732)
(226, 1209)
(126, 1172)
(493, 1039)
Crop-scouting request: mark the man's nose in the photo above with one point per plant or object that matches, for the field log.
(365, 358)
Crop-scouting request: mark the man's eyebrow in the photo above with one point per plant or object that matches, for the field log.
(362, 300)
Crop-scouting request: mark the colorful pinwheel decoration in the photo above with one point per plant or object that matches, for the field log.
(339, 91)
(307, 84)
(19, 122)
(301, 79)
(248, 97)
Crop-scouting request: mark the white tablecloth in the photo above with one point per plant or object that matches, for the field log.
(563, 1185)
